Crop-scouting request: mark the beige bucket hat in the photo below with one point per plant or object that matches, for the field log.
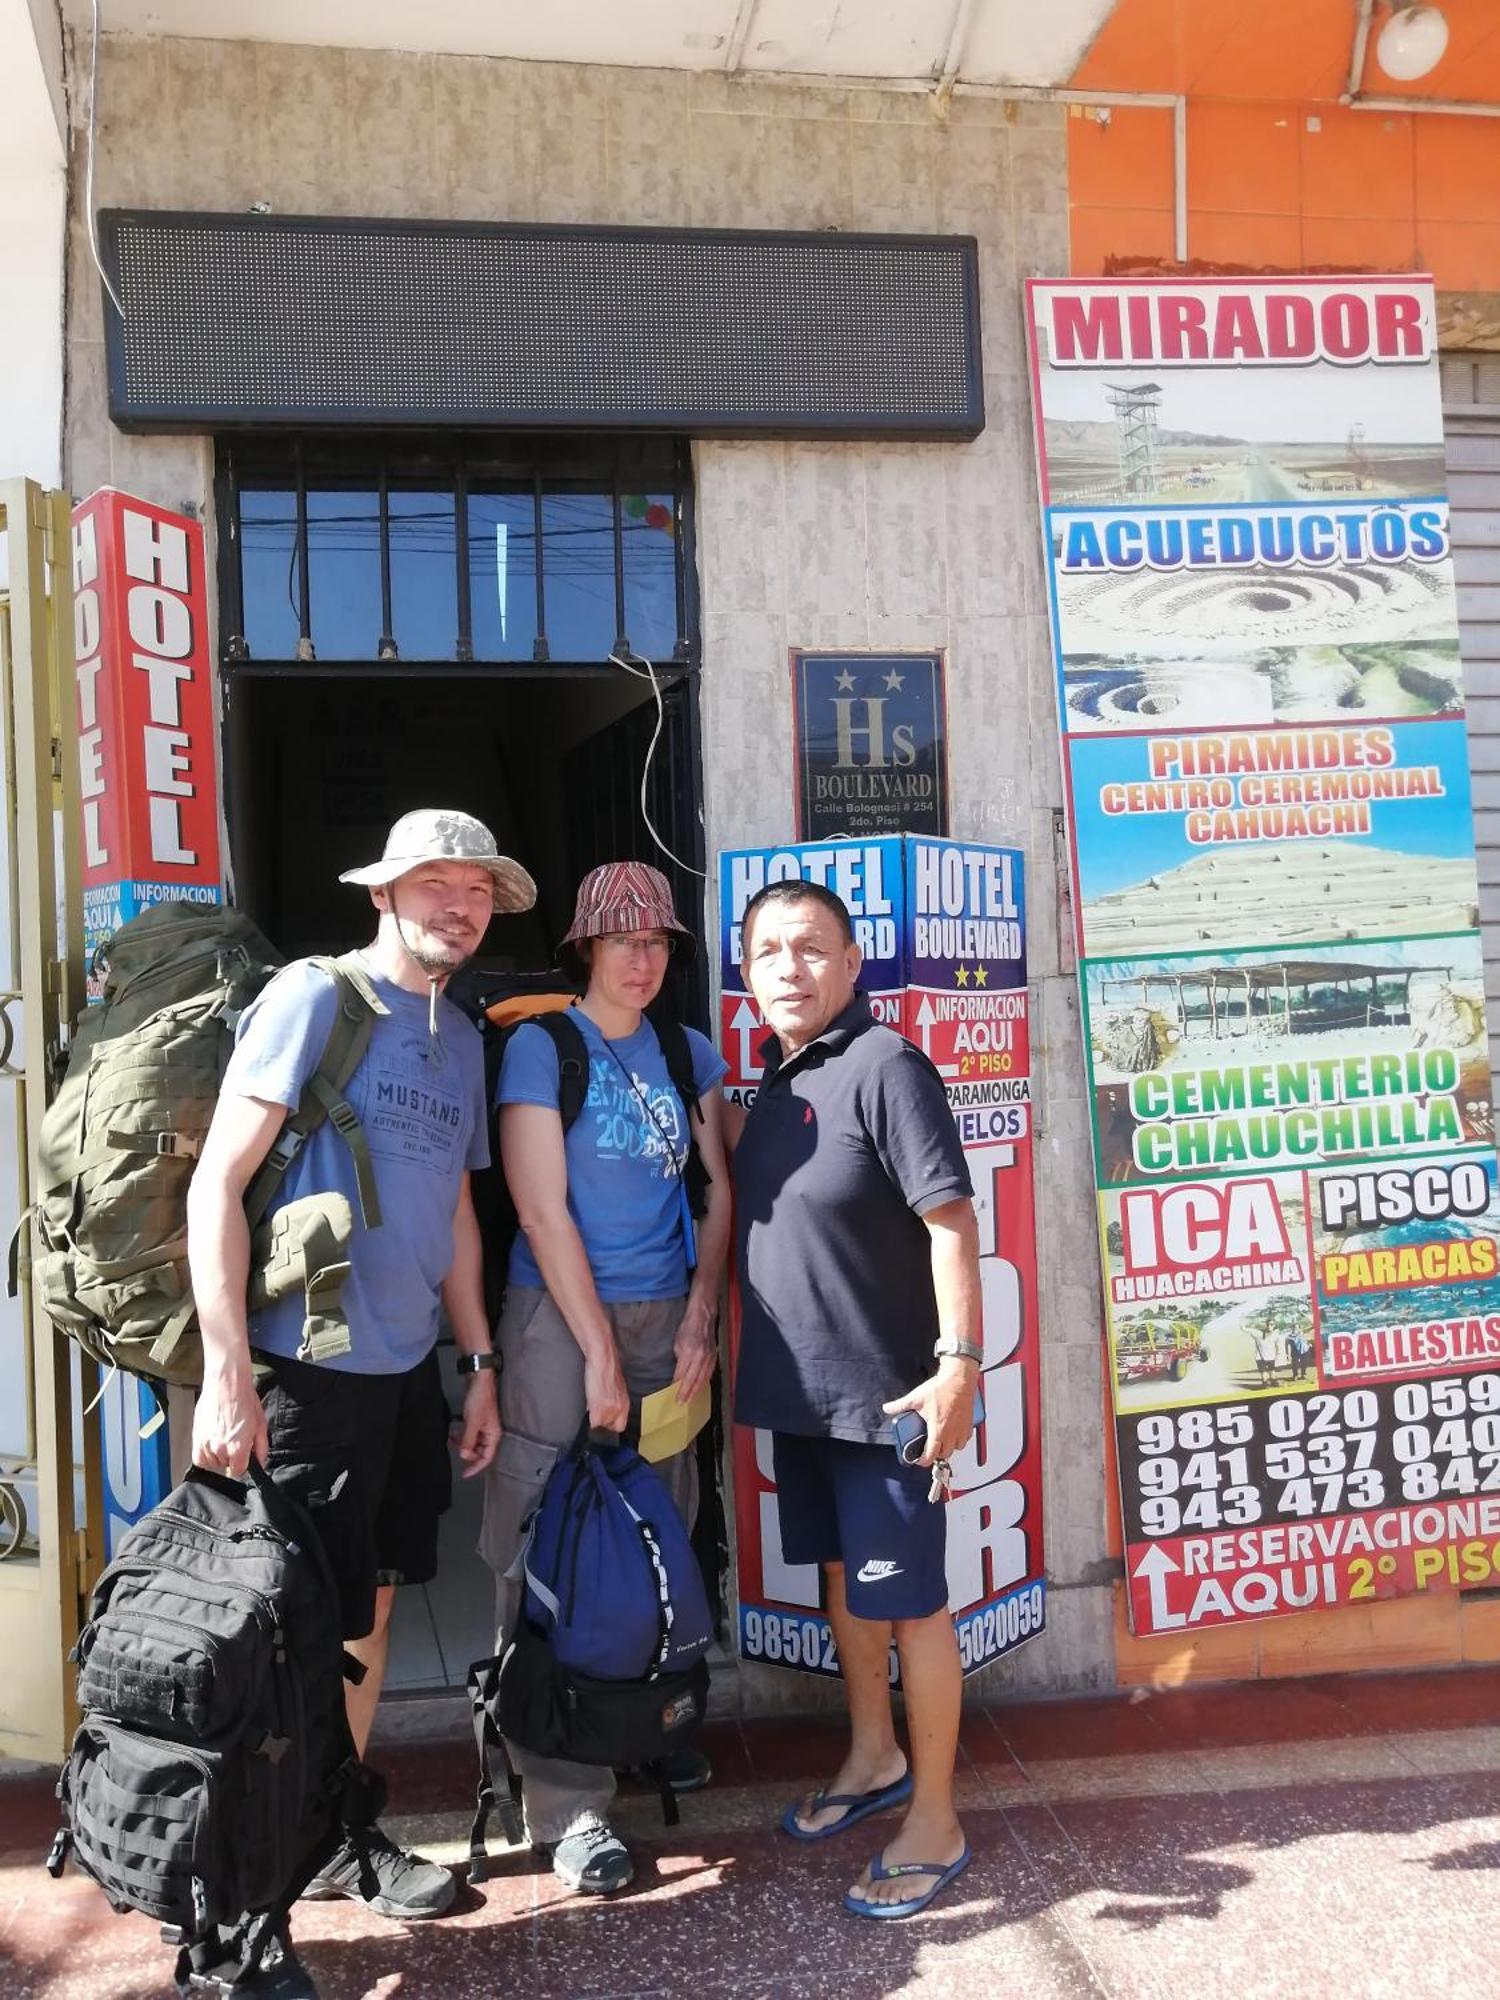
(436, 834)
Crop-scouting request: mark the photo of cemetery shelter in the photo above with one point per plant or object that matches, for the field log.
(1290, 996)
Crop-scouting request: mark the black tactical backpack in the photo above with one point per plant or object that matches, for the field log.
(213, 1771)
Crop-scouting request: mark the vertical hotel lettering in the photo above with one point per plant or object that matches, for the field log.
(159, 616)
(145, 711)
(94, 774)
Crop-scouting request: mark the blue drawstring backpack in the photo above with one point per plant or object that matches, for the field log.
(606, 1665)
(611, 1579)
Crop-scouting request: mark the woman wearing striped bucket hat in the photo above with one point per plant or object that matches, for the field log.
(613, 1284)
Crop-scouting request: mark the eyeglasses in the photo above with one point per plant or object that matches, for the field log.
(646, 944)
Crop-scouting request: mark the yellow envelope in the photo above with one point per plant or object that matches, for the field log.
(668, 1426)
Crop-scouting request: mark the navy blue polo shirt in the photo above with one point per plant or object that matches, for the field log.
(847, 1146)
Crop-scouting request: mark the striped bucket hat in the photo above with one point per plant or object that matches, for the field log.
(626, 896)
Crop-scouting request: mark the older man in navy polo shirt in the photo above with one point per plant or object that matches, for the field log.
(859, 1269)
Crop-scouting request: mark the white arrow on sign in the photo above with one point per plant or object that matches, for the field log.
(926, 1021)
(744, 1024)
(1156, 1566)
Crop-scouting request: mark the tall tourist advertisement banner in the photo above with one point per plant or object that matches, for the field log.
(942, 926)
(1266, 768)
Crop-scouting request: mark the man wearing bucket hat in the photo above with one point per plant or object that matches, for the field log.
(363, 1435)
(613, 1287)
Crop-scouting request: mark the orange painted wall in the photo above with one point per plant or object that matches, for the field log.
(1279, 172)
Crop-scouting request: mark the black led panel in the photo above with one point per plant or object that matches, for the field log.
(252, 319)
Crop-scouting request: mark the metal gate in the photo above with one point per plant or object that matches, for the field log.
(51, 1489)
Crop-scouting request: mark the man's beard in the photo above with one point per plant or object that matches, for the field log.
(438, 958)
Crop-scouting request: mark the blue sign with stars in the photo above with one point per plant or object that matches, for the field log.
(871, 739)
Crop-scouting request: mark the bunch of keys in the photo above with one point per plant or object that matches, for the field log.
(910, 1428)
(911, 1441)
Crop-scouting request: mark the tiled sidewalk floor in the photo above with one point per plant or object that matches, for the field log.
(1291, 1841)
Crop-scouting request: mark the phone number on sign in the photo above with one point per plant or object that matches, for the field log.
(805, 1639)
(1302, 1457)
(994, 1630)
(789, 1639)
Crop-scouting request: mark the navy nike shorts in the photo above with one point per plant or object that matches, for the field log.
(856, 1504)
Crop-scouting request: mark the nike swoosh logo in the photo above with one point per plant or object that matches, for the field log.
(877, 1572)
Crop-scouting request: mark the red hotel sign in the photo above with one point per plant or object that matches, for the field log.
(145, 710)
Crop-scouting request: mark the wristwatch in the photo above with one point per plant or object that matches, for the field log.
(965, 1350)
(470, 1364)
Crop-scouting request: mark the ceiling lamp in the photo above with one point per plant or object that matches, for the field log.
(1412, 41)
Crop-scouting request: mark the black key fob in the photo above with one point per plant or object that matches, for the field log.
(910, 1428)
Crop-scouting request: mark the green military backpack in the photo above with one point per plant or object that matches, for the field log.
(119, 1142)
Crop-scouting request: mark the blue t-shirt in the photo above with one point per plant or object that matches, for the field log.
(624, 1185)
(425, 1124)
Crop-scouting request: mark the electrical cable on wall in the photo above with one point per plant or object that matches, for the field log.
(88, 173)
(647, 672)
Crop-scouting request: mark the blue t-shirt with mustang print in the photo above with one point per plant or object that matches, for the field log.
(422, 1111)
(624, 1161)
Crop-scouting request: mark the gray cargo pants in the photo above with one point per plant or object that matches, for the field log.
(541, 1407)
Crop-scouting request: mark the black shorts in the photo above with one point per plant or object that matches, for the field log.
(367, 1455)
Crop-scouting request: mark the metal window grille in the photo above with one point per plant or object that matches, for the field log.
(532, 473)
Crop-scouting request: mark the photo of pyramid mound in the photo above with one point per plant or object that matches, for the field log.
(1308, 891)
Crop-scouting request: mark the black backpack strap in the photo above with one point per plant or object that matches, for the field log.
(228, 1961)
(498, 1783)
(655, 1773)
(572, 1062)
(677, 1053)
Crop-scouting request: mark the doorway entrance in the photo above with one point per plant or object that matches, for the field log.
(319, 764)
(550, 592)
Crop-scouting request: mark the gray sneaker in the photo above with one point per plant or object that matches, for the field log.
(593, 1859)
(404, 1885)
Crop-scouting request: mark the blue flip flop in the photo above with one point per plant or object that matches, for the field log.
(913, 1904)
(857, 1806)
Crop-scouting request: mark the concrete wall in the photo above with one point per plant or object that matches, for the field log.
(814, 545)
(33, 173)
